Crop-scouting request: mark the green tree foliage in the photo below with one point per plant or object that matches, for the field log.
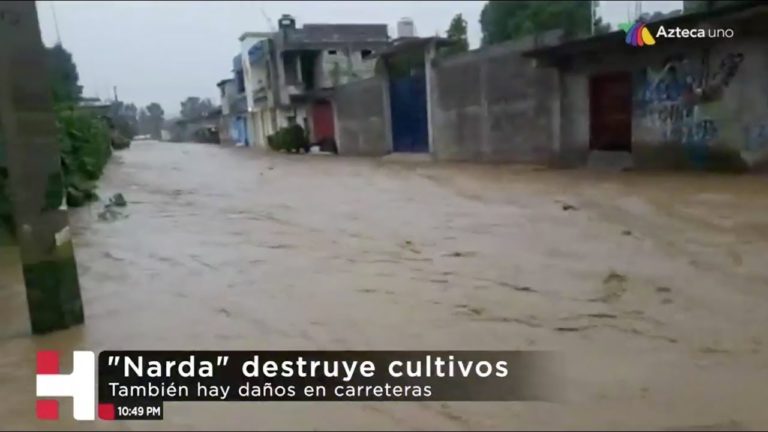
(506, 20)
(124, 118)
(86, 146)
(144, 128)
(691, 6)
(155, 119)
(291, 139)
(84, 138)
(457, 32)
(64, 76)
(194, 107)
(601, 27)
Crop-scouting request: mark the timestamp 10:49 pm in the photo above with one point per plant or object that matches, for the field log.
(150, 410)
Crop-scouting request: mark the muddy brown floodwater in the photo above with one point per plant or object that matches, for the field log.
(654, 287)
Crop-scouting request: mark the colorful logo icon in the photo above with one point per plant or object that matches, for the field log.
(79, 385)
(637, 34)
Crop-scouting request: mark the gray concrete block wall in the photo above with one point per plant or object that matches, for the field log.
(492, 105)
(361, 120)
(458, 111)
(727, 130)
(573, 146)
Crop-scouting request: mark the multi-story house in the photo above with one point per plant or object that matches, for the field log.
(227, 93)
(288, 74)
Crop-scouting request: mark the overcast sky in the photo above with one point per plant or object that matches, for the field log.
(165, 51)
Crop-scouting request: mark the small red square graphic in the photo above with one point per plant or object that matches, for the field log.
(106, 411)
(47, 362)
(47, 409)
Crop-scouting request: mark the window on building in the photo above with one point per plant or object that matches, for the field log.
(331, 52)
(365, 53)
(291, 73)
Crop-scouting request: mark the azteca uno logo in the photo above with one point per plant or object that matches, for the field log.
(79, 385)
(637, 34)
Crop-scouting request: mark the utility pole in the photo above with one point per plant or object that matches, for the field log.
(56, 23)
(114, 89)
(33, 175)
(268, 20)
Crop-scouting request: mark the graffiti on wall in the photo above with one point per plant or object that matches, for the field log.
(674, 99)
(727, 69)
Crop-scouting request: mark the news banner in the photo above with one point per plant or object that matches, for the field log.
(136, 384)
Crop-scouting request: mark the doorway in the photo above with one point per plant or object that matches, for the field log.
(323, 127)
(408, 101)
(610, 112)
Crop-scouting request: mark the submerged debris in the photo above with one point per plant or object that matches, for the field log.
(410, 246)
(110, 211)
(118, 200)
(458, 254)
(613, 286)
(566, 206)
(614, 277)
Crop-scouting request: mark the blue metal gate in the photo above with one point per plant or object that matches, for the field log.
(241, 131)
(408, 102)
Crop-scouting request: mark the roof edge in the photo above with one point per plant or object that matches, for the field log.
(255, 34)
(686, 17)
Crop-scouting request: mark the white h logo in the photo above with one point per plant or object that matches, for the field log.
(79, 385)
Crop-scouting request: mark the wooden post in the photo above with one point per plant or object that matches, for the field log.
(32, 164)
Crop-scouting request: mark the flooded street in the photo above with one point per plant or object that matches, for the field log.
(653, 286)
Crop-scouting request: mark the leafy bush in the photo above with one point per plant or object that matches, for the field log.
(85, 140)
(85, 149)
(86, 145)
(291, 139)
(119, 142)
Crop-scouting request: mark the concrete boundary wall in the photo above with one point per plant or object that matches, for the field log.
(695, 105)
(361, 119)
(492, 105)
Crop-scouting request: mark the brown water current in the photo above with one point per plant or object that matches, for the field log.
(654, 287)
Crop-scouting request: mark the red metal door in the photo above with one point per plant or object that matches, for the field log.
(322, 121)
(610, 105)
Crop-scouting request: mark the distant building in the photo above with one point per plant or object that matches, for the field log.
(202, 129)
(406, 28)
(238, 107)
(94, 105)
(227, 94)
(286, 76)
